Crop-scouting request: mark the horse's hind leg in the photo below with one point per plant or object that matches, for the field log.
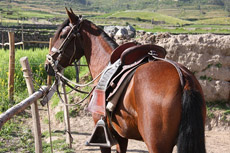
(159, 122)
(158, 136)
(159, 126)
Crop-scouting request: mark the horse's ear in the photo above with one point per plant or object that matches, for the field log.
(72, 11)
(72, 16)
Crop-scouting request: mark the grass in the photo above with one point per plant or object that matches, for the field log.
(186, 29)
(149, 16)
(36, 59)
(141, 20)
(220, 21)
(220, 106)
(60, 116)
(16, 133)
(59, 145)
(15, 136)
(202, 17)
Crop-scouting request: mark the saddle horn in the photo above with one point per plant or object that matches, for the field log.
(101, 136)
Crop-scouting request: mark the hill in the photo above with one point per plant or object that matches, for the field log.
(106, 6)
(134, 12)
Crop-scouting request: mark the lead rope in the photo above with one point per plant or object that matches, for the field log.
(50, 133)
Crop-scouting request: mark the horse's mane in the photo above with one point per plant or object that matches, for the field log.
(101, 32)
(108, 39)
(104, 35)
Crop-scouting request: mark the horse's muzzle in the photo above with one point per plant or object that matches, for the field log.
(49, 69)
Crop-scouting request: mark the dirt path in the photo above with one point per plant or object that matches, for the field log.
(217, 141)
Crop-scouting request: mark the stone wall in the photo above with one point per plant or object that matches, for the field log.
(206, 55)
(30, 33)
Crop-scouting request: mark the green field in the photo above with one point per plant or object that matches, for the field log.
(16, 131)
(179, 15)
(36, 59)
(149, 16)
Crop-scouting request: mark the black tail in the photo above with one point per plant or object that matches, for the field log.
(191, 133)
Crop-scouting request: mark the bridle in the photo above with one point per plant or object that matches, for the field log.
(73, 34)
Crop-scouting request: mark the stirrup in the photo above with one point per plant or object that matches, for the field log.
(101, 136)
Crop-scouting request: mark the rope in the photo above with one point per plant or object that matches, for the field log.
(76, 84)
(50, 134)
(74, 104)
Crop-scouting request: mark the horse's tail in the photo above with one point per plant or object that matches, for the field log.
(191, 132)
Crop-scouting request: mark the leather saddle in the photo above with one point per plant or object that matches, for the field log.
(131, 57)
(116, 54)
(131, 52)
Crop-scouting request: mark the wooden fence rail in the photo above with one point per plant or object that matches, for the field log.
(22, 42)
(4, 117)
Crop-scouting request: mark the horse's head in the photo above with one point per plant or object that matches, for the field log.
(66, 46)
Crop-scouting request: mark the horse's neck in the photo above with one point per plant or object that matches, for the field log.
(97, 50)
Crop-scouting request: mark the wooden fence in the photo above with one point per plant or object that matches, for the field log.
(23, 41)
(32, 99)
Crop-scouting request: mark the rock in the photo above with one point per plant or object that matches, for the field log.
(131, 31)
(111, 30)
(215, 90)
(121, 33)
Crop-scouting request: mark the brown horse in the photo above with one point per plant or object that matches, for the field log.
(154, 108)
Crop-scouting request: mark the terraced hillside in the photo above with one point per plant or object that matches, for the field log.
(151, 15)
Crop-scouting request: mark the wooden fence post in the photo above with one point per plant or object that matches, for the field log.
(11, 67)
(34, 107)
(49, 78)
(23, 45)
(2, 39)
(66, 116)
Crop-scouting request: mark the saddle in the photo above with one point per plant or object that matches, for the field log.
(131, 52)
(131, 58)
(123, 63)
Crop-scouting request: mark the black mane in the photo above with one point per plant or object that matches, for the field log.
(108, 39)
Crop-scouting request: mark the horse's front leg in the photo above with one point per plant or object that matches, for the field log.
(122, 144)
(105, 150)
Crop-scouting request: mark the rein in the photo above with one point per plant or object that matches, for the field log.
(75, 86)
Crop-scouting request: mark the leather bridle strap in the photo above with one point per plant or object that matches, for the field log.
(71, 35)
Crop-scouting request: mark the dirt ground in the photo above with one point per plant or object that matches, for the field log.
(217, 139)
